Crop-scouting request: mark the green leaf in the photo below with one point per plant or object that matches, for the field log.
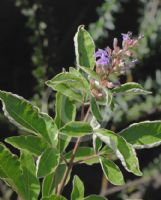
(54, 197)
(95, 109)
(76, 72)
(28, 117)
(81, 153)
(112, 172)
(145, 134)
(47, 186)
(78, 189)
(31, 183)
(97, 143)
(52, 180)
(69, 79)
(70, 85)
(108, 153)
(131, 87)
(11, 172)
(59, 174)
(32, 144)
(65, 110)
(76, 129)
(67, 91)
(123, 150)
(90, 72)
(63, 143)
(84, 48)
(48, 162)
(95, 197)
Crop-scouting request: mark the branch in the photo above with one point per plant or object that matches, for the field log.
(64, 159)
(134, 183)
(70, 164)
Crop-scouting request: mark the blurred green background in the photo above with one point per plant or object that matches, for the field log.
(36, 42)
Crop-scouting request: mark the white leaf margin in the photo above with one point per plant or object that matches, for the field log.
(107, 140)
(144, 146)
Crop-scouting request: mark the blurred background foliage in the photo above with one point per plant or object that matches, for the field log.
(37, 42)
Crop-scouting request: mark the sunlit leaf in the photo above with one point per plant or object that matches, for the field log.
(54, 197)
(145, 134)
(28, 117)
(16, 174)
(78, 189)
(97, 143)
(123, 150)
(32, 144)
(84, 48)
(76, 129)
(69, 85)
(84, 152)
(112, 172)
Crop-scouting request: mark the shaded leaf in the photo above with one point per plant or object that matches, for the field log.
(31, 182)
(94, 197)
(95, 109)
(79, 74)
(90, 72)
(131, 87)
(52, 180)
(48, 162)
(65, 110)
(64, 141)
(67, 91)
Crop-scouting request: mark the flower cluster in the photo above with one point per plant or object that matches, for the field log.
(117, 60)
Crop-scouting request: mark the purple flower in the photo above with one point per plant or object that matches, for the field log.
(125, 37)
(102, 57)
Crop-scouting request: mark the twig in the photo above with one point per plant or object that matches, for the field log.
(70, 164)
(88, 158)
(134, 183)
(87, 114)
(64, 159)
